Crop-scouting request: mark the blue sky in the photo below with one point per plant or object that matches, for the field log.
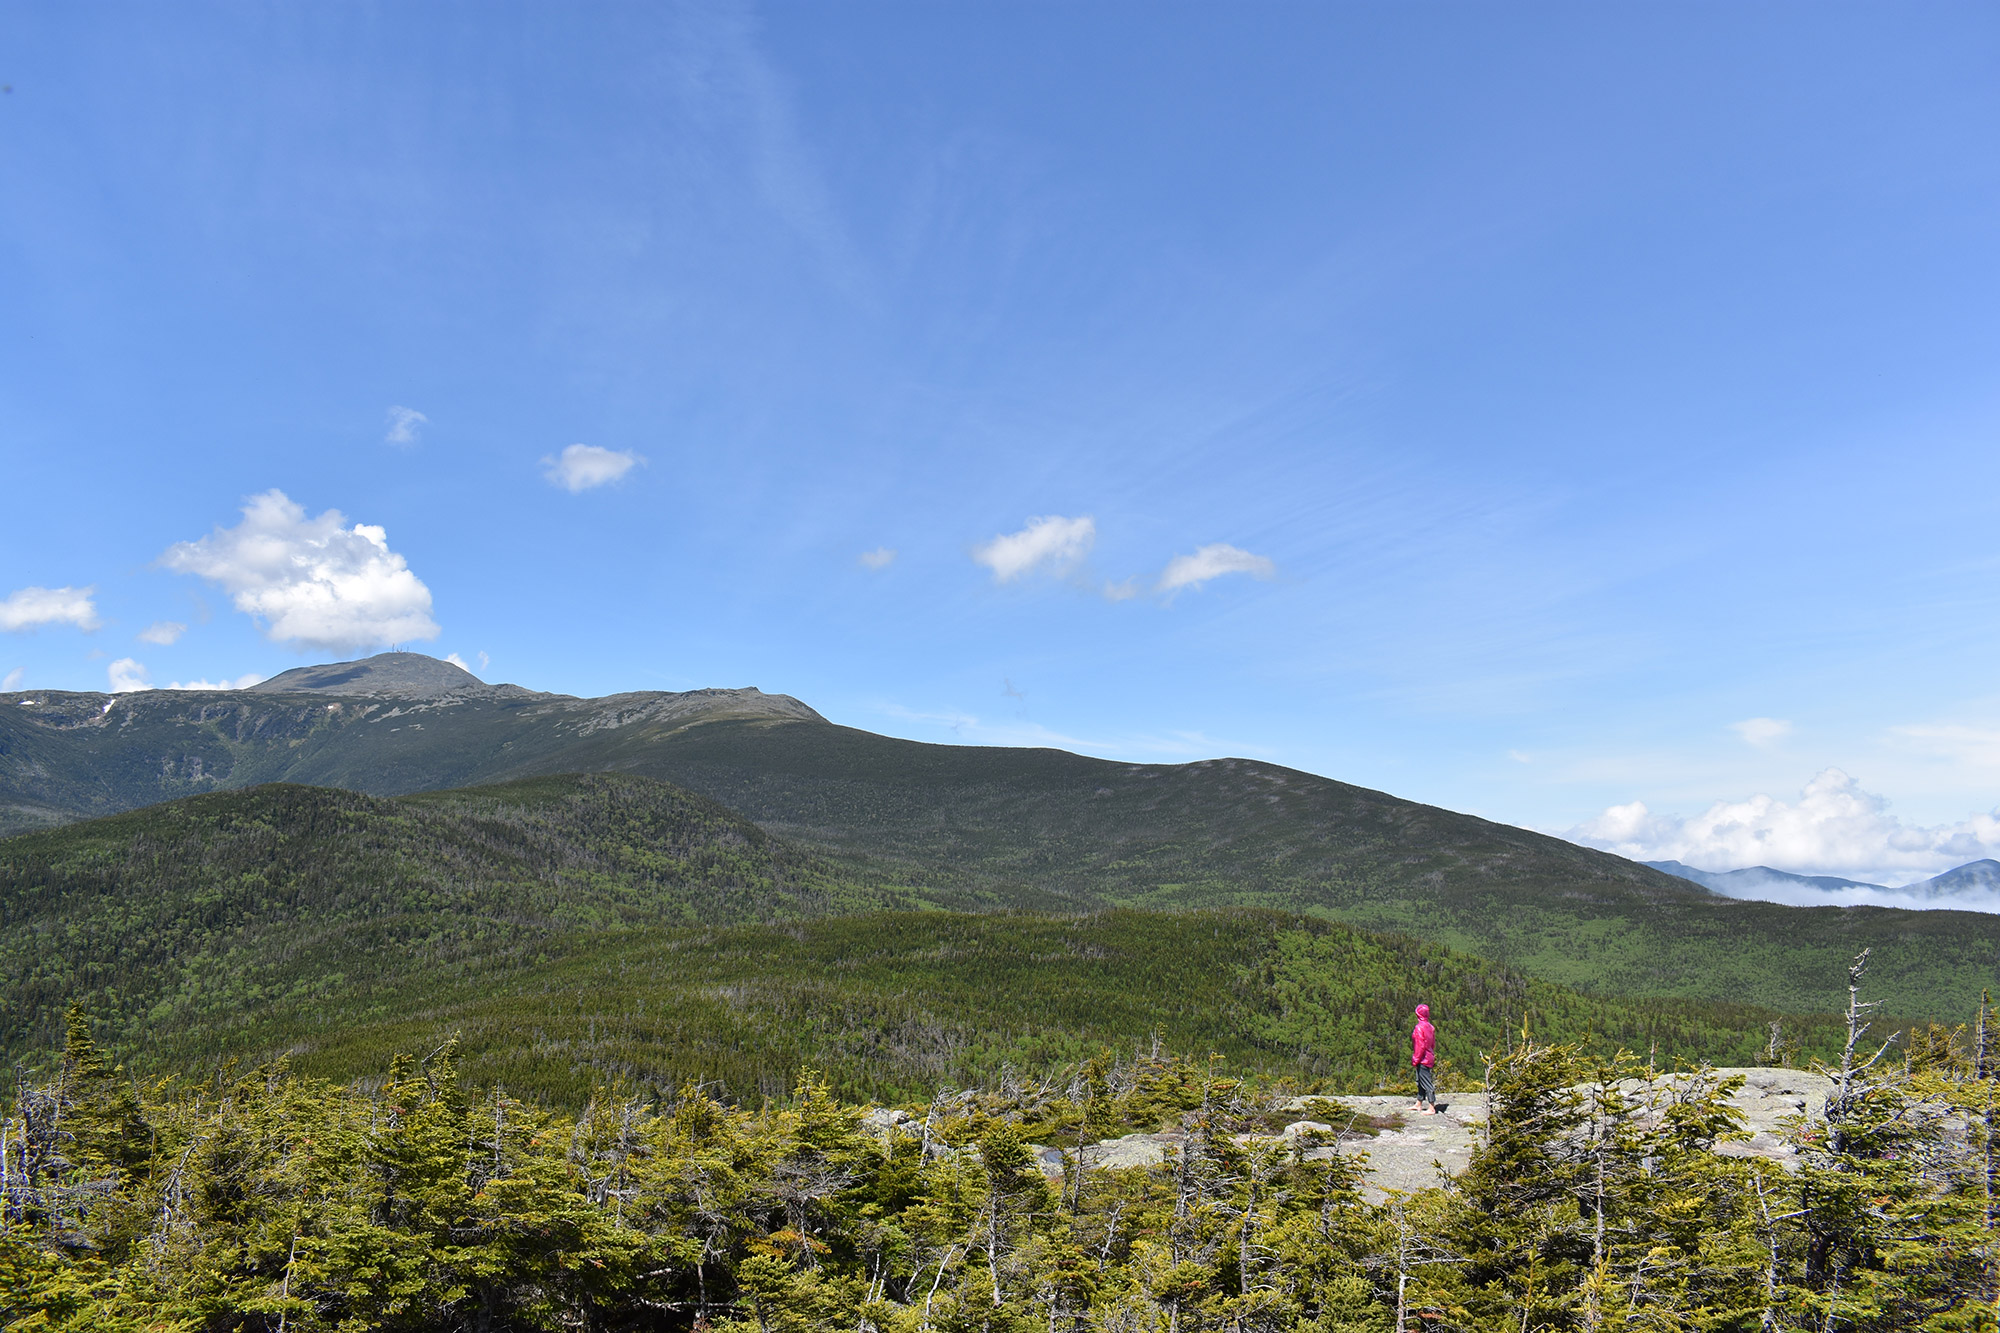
(1531, 411)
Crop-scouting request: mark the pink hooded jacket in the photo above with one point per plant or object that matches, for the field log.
(1423, 1039)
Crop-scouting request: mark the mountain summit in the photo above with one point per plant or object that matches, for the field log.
(392, 675)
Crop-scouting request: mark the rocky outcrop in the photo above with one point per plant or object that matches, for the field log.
(1405, 1151)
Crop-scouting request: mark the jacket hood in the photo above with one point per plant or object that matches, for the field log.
(1424, 1012)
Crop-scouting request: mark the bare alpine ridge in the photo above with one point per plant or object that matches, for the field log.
(391, 675)
(417, 676)
(388, 724)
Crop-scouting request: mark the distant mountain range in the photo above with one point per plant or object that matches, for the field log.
(987, 827)
(1972, 878)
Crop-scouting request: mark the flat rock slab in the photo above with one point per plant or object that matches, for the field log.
(1424, 1149)
(1768, 1099)
(1412, 1157)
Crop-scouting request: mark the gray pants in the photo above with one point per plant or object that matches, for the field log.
(1427, 1084)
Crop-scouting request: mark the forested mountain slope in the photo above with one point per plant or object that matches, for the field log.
(1091, 829)
(570, 930)
(597, 921)
(228, 903)
(892, 1002)
(1024, 828)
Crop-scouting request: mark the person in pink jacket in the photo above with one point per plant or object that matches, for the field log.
(1423, 1056)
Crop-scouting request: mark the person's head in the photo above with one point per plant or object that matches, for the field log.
(1424, 1012)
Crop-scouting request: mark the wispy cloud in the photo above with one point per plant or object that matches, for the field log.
(1834, 828)
(127, 675)
(730, 85)
(14, 679)
(1212, 562)
(879, 558)
(242, 682)
(1975, 747)
(27, 608)
(972, 729)
(584, 466)
(313, 581)
(1121, 592)
(162, 632)
(404, 423)
(1051, 543)
(1762, 732)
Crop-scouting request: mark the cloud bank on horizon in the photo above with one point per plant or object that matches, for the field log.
(1805, 895)
(1835, 828)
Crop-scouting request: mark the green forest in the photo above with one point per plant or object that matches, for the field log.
(580, 928)
(982, 828)
(596, 1052)
(263, 1199)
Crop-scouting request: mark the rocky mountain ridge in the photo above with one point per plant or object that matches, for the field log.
(391, 675)
(394, 723)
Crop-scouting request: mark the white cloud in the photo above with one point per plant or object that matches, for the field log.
(1794, 894)
(312, 581)
(1521, 757)
(484, 660)
(127, 675)
(162, 632)
(30, 607)
(403, 425)
(14, 679)
(1212, 561)
(242, 682)
(1762, 732)
(879, 558)
(1121, 592)
(1835, 828)
(971, 729)
(1051, 542)
(582, 466)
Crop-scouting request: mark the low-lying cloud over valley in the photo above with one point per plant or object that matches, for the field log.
(1835, 828)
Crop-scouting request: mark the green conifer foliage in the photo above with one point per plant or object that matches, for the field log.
(1604, 1196)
